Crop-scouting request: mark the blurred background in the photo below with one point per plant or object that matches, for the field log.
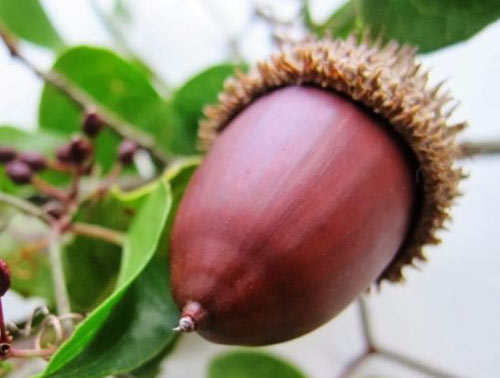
(445, 315)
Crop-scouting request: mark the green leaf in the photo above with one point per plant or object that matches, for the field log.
(140, 246)
(428, 24)
(196, 93)
(247, 364)
(119, 86)
(27, 20)
(91, 266)
(44, 142)
(136, 334)
(139, 326)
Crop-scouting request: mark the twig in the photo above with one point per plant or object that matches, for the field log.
(416, 365)
(468, 149)
(371, 350)
(365, 324)
(84, 101)
(98, 232)
(25, 206)
(354, 365)
(55, 256)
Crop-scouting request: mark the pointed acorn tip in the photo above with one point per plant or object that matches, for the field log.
(186, 325)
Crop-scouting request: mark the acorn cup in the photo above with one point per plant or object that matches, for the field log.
(330, 167)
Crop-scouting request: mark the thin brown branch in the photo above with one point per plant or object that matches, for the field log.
(415, 365)
(355, 364)
(98, 232)
(84, 101)
(469, 149)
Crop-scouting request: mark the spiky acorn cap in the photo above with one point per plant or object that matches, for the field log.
(387, 80)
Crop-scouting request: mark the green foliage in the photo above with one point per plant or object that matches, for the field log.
(126, 89)
(139, 249)
(196, 93)
(27, 20)
(114, 83)
(428, 24)
(247, 364)
(132, 329)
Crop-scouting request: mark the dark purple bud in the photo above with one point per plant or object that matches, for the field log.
(19, 172)
(92, 124)
(7, 154)
(126, 151)
(79, 150)
(36, 161)
(63, 153)
(4, 278)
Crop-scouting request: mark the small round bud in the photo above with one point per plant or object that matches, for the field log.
(7, 154)
(19, 172)
(63, 153)
(126, 151)
(79, 150)
(36, 161)
(92, 124)
(4, 278)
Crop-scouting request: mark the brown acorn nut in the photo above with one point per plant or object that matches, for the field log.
(307, 197)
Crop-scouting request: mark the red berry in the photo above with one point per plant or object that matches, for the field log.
(126, 151)
(4, 277)
(36, 161)
(92, 124)
(19, 172)
(7, 154)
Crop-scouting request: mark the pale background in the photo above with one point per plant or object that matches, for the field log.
(448, 313)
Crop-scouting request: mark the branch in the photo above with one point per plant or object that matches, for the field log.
(469, 149)
(98, 232)
(85, 102)
(25, 206)
(415, 365)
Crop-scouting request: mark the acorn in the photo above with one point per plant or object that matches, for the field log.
(330, 167)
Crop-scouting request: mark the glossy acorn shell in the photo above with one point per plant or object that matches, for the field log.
(300, 204)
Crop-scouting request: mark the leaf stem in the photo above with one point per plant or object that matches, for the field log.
(25, 206)
(84, 101)
(98, 232)
(55, 256)
(44, 187)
